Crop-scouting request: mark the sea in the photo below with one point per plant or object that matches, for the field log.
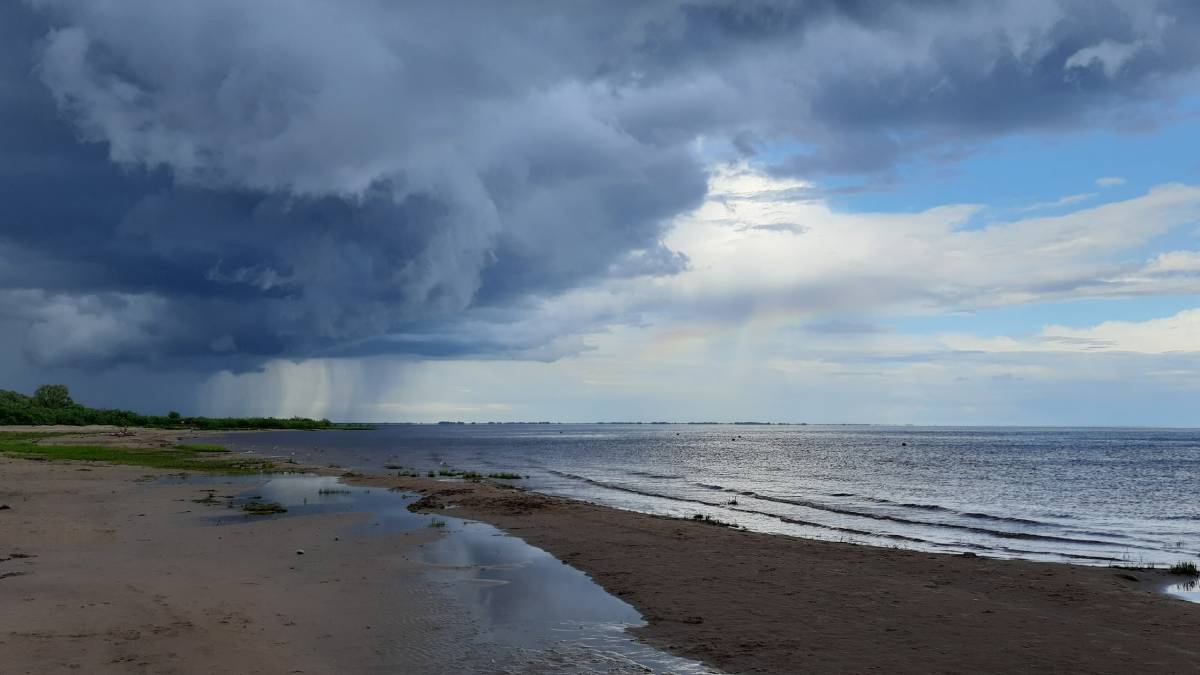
(1095, 496)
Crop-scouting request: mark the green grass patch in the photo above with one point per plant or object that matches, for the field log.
(263, 508)
(201, 447)
(25, 445)
(475, 476)
(1187, 568)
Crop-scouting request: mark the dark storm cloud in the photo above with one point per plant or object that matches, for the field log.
(222, 182)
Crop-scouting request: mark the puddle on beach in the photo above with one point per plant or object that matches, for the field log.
(547, 616)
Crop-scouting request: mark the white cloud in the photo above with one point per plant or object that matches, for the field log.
(1175, 262)
(1062, 201)
(1110, 181)
(1109, 55)
(1179, 333)
(927, 261)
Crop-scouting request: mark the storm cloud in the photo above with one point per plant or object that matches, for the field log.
(215, 184)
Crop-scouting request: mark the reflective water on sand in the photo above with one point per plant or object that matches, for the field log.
(535, 614)
(1188, 590)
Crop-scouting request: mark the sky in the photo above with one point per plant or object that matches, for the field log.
(825, 212)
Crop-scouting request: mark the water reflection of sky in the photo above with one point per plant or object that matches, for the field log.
(548, 614)
(1188, 590)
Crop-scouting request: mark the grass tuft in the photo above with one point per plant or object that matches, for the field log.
(1187, 568)
(263, 508)
(709, 520)
(475, 476)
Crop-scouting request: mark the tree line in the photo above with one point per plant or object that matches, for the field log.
(52, 404)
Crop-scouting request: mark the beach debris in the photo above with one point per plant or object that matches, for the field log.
(11, 574)
(4, 507)
(968, 554)
(299, 551)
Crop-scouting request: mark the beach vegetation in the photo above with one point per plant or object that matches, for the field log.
(1186, 568)
(709, 520)
(437, 523)
(257, 508)
(26, 445)
(475, 476)
(333, 491)
(465, 475)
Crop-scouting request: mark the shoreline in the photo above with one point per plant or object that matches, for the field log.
(751, 602)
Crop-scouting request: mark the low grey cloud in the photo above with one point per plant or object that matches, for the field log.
(215, 184)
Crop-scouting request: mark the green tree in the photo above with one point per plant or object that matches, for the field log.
(174, 416)
(53, 396)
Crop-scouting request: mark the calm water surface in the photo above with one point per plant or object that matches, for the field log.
(1091, 496)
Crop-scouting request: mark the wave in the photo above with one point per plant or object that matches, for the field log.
(1106, 540)
(937, 508)
(729, 507)
(661, 476)
(1002, 534)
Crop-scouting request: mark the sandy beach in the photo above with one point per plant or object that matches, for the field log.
(116, 572)
(104, 571)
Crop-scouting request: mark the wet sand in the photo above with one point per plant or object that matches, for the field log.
(750, 602)
(103, 571)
